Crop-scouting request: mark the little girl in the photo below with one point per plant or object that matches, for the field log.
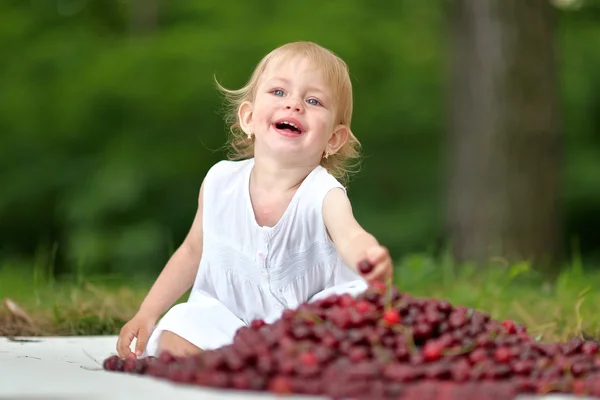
(274, 228)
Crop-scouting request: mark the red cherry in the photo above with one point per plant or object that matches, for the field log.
(308, 359)
(509, 326)
(502, 355)
(477, 356)
(589, 348)
(280, 385)
(257, 323)
(166, 357)
(432, 351)
(391, 317)
(129, 364)
(378, 286)
(523, 367)
(345, 300)
(110, 363)
(365, 267)
(363, 306)
(579, 387)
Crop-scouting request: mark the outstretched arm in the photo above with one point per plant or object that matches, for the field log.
(353, 242)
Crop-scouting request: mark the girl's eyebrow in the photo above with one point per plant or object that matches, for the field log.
(282, 80)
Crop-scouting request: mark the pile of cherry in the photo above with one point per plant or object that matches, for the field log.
(384, 345)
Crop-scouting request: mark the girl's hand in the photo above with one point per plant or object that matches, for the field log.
(140, 327)
(377, 265)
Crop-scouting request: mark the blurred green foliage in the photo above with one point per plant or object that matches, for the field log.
(106, 131)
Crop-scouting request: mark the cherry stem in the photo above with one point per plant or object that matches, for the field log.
(381, 355)
(459, 351)
(407, 332)
(388, 285)
(310, 317)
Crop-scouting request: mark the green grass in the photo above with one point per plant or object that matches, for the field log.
(77, 306)
(555, 310)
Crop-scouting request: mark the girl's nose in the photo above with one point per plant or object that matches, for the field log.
(293, 105)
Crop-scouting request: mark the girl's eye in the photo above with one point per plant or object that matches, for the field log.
(277, 92)
(314, 102)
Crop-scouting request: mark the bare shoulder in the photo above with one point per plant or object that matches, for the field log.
(334, 200)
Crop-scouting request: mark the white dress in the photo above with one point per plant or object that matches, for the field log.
(247, 271)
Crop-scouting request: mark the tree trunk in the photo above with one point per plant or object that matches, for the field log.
(504, 132)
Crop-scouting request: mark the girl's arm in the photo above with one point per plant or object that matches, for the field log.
(353, 243)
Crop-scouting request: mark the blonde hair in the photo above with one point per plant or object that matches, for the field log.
(335, 72)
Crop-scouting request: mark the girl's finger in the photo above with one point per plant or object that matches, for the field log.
(376, 254)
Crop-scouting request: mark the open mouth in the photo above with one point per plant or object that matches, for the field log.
(289, 127)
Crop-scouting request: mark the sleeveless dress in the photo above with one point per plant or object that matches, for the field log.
(248, 271)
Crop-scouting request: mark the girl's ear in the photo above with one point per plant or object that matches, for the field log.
(338, 139)
(245, 117)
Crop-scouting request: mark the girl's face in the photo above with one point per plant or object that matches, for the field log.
(293, 116)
